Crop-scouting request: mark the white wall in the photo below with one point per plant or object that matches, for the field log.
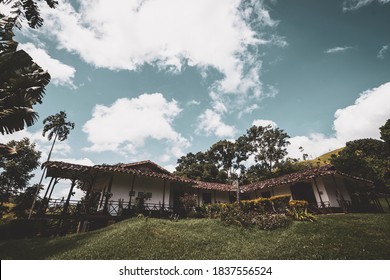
(121, 187)
(321, 189)
(282, 190)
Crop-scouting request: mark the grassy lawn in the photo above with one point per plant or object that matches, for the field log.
(351, 236)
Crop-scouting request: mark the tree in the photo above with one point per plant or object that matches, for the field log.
(29, 10)
(229, 156)
(199, 167)
(17, 170)
(58, 126)
(21, 85)
(267, 145)
(23, 202)
(367, 158)
(385, 135)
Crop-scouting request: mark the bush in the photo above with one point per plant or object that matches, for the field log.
(212, 210)
(232, 214)
(298, 211)
(280, 203)
(272, 221)
(188, 201)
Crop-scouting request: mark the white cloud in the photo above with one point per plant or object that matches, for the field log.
(167, 34)
(61, 74)
(357, 121)
(349, 5)
(124, 126)
(61, 148)
(248, 110)
(382, 51)
(363, 119)
(193, 102)
(264, 123)
(210, 123)
(338, 49)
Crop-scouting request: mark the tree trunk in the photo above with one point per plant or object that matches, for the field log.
(40, 181)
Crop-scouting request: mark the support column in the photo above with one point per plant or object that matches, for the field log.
(48, 187)
(319, 194)
(163, 202)
(215, 196)
(56, 180)
(199, 198)
(131, 191)
(107, 198)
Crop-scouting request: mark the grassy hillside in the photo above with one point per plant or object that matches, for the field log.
(351, 236)
(325, 158)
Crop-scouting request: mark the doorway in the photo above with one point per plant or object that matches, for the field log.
(303, 191)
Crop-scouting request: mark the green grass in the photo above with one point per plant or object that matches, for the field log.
(351, 236)
(325, 158)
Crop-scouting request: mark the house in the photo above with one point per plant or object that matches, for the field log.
(113, 189)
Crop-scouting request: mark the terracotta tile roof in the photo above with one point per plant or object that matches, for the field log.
(68, 170)
(297, 177)
(144, 164)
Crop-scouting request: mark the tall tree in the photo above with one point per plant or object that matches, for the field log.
(268, 145)
(58, 126)
(365, 158)
(229, 156)
(16, 171)
(199, 167)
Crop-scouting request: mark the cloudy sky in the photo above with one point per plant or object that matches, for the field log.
(156, 79)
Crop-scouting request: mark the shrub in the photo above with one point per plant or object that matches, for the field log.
(259, 205)
(280, 203)
(272, 221)
(212, 210)
(232, 214)
(188, 201)
(298, 211)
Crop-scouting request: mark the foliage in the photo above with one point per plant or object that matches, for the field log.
(212, 210)
(271, 221)
(224, 161)
(189, 202)
(23, 202)
(229, 156)
(385, 135)
(58, 126)
(21, 86)
(280, 203)
(232, 214)
(17, 171)
(365, 158)
(268, 145)
(29, 10)
(298, 211)
(199, 167)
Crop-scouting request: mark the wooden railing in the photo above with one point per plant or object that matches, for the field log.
(55, 207)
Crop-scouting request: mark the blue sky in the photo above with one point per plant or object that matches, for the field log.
(156, 79)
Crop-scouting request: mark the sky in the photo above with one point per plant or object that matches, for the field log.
(157, 79)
